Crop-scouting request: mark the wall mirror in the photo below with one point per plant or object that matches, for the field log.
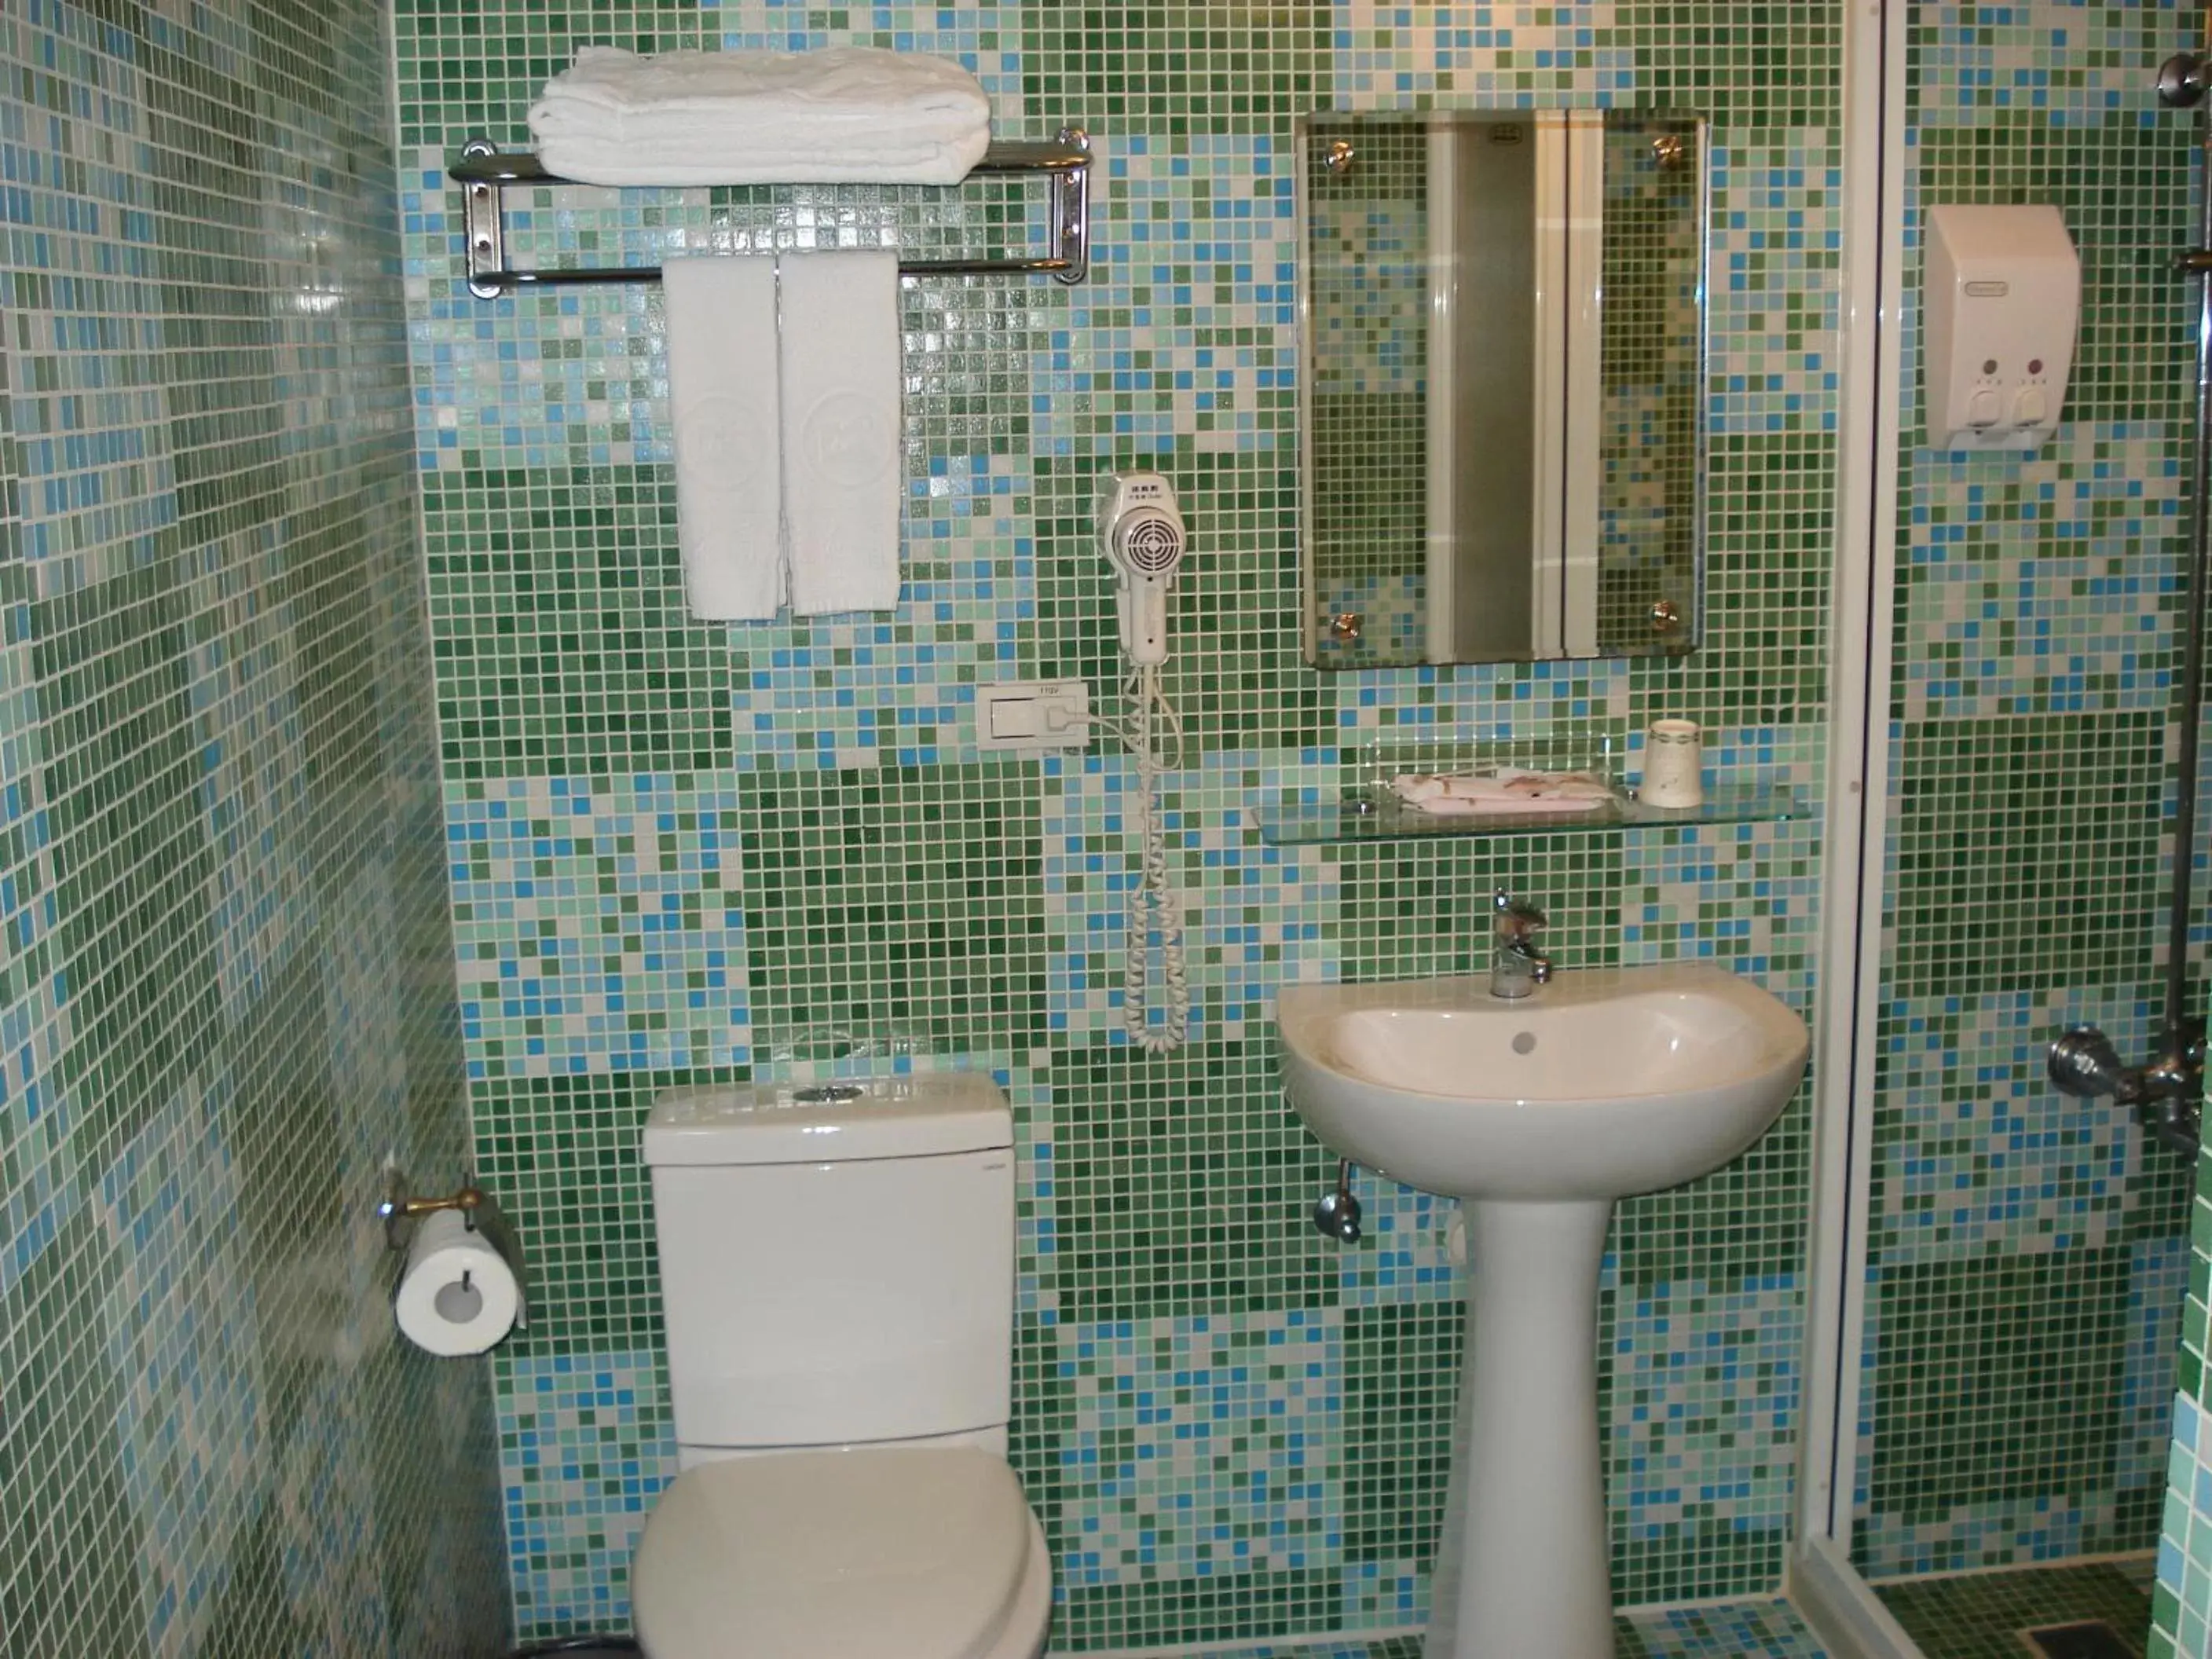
(1502, 340)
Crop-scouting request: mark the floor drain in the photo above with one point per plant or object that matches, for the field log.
(2095, 1640)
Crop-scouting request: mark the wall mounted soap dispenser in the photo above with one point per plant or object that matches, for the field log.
(2004, 295)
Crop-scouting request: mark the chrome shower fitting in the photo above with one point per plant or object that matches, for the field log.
(2167, 1093)
(1337, 1215)
(2181, 80)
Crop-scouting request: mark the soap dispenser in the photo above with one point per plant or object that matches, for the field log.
(2003, 295)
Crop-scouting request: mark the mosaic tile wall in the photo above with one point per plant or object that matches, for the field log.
(2181, 1599)
(678, 848)
(2029, 1250)
(224, 984)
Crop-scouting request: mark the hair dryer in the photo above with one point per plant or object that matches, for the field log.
(1141, 529)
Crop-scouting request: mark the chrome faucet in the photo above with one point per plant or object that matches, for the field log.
(1516, 966)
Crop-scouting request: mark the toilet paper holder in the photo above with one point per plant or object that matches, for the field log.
(399, 1210)
(398, 1207)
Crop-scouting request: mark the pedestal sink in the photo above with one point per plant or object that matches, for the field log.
(1538, 1112)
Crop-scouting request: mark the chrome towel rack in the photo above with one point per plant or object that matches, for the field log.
(485, 173)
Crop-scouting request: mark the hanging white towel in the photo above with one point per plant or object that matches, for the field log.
(847, 114)
(723, 406)
(843, 467)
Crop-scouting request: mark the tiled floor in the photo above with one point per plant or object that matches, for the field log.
(1980, 1615)
(1737, 1631)
(1971, 1616)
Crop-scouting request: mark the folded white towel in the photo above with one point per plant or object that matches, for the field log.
(722, 378)
(846, 114)
(843, 472)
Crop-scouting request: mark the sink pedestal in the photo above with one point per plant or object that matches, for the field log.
(1523, 1566)
(1538, 1112)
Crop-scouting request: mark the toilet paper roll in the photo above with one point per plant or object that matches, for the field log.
(457, 1295)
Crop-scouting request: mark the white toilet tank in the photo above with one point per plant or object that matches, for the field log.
(836, 1260)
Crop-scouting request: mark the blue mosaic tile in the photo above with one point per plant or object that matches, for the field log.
(1984, 1154)
(594, 927)
(1705, 1396)
(586, 1444)
(1199, 1446)
(1181, 331)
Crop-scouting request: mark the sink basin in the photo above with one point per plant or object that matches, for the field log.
(1605, 1082)
(1540, 1112)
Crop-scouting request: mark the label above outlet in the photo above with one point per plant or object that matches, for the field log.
(1033, 714)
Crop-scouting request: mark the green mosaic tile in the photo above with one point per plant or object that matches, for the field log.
(133, 868)
(2177, 1593)
(2032, 598)
(1180, 1185)
(1980, 1615)
(1744, 1222)
(1043, 1417)
(1236, 1607)
(1699, 1393)
(1176, 67)
(1203, 1446)
(889, 878)
(566, 1155)
(62, 1402)
(567, 647)
(1989, 1394)
(891, 901)
(1400, 1366)
(228, 991)
(1991, 824)
(1766, 1628)
(1413, 908)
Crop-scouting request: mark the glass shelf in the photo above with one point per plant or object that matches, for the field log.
(1293, 823)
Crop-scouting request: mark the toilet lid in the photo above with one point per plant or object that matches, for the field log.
(912, 1553)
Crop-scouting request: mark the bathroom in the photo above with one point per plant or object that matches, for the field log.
(371, 792)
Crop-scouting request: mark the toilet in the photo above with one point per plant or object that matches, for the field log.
(837, 1275)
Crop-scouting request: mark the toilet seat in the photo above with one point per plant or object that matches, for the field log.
(879, 1553)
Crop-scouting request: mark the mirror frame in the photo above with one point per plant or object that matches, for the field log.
(1311, 623)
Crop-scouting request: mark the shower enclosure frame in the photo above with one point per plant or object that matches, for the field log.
(1821, 1580)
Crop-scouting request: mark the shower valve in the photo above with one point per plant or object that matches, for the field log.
(2165, 1091)
(2182, 80)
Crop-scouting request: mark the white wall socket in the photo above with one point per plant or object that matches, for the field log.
(1033, 714)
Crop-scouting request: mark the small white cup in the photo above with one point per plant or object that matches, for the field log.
(1674, 765)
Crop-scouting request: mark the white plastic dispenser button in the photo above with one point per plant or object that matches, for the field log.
(1983, 410)
(2032, 407)
(1033, 714)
